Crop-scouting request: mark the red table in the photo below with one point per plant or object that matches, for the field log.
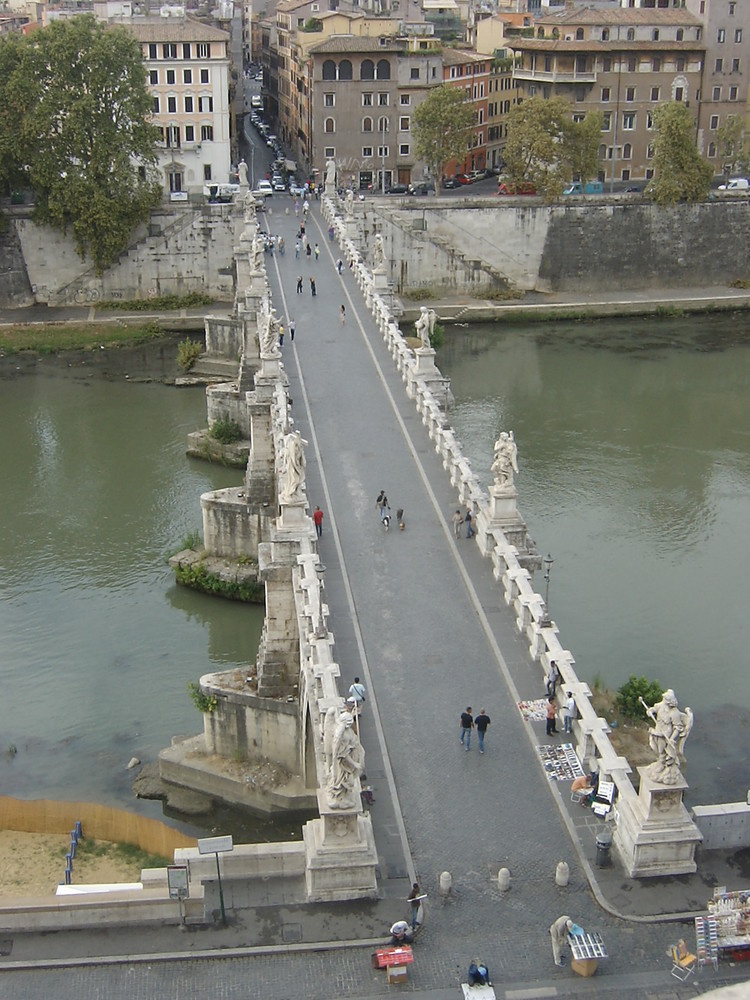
(394, 956)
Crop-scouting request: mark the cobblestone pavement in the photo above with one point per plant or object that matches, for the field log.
(417, 615)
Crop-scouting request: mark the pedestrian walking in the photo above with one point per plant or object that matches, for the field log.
(282, 246)
(318, 521)
(558, 932)
(343, 314)
(316, 251)
(551, 716)
(296, 207)
(480, 724)
(292, 329)
(381, 503)
(308, 251)
(469, 522)
(457, 521)
(467, 724)
(298, 248)
(569, 711)
(299, 284)
(281, 334)
(330, 233)
(357, 693)
(339, 265)
(302, 229)
(553, 678)
(415, 898)
(313, 289)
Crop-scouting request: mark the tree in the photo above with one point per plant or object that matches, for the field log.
(582, 143)
(680, 172)
(539, 144)
(733, 144)
(77, 107)
(441, 128)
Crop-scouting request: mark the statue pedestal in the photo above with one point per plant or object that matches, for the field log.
(424, 361)
(270, 367)
(502, 516)
(655, 835)
(351, 228)
(340, 854)
(293, 518)
(380, 279)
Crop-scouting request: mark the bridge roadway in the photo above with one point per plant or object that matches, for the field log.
(418, 616)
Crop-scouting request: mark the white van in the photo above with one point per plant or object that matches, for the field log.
(735, 184)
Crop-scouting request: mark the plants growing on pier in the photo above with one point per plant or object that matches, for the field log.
(188, 352)
(225, 431)
(629, 696)
(203, 702)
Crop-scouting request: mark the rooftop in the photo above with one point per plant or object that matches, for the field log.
(626, 16)
(173, 29)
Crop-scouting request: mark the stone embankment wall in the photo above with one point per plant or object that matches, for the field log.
(15, 288)
(185, 249)
(577, 246)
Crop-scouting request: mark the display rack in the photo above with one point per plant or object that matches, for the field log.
(731, 913)
(587, 946)
(707, 941)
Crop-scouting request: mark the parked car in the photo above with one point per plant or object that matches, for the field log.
(478, 175)
(735, 184)
(511, 189)
(397, 189)
(451, 182)
(424, 187)
(278, 183)
(464, 179)
(590, 187)
(263, 189)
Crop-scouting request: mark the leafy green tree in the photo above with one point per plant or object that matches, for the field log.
(733, 144)
(75, 121)
(680, 172)
(581, 148)
(539, 140)
(441, 127)
(629, 696)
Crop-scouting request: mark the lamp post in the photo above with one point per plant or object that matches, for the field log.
(217, 846)
(546, 620)
(320, 630)
(384, 121)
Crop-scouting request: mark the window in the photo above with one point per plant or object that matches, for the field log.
(414, 73)
(680, 64)
(403, 149)
(366, 152)
(655, 94)
(678, 92)
(627, 151)
(172, 105)
(732, 93)
(329, 125)
(186, 50)
(735, 65)
(738, 35)
(207, 133)
(169, 51)
(367, 124)
(382, 151)
(606, 121)
(649, 173)
(607, 64)
(631, 64)
(579, 34)
(188, 103)
(170, 77)
(628, 121)
(630, 94)
(631, 34)
(345, 70)
(329, 152)
(626, 174)
(404, 124)
(367, 70)
(731, 8)
(383, 100)
(382, 124)
(656, 64)
(578, 117)
(581, 66)
(680, 34)
(205, 104)
(329, 100)
(175, 181)
(187, 76)
(204, 76)
(605, 34)
(719, 66)
(712, 149)
(405, 100)
(366, 100)
(329, 70)
(655, 35)
(649, 120)
(384, 69)
(173, 135)
(189, 133)
(204, 50)
(206, 171)
(155, 107)
(152, 51)
(716, 94)
(721, 37)
(714, 122)
(650, 151)
(153, 77)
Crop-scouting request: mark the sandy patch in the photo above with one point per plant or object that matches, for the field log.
(32, 864)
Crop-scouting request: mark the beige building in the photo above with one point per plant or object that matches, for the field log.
(364, 92)
(187, 66)
(623, 62)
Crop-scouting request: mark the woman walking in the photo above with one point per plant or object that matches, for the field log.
(343, 314)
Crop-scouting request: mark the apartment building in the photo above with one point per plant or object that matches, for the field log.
(623, 62)
(724, 88)
(187, 67)
(364, 92)
(470, 73)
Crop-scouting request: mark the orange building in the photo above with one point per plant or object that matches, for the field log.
(471, 73)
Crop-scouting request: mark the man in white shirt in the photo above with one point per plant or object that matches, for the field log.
(357, 694)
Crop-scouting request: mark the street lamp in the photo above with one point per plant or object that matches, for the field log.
(546, 620)
(384, 121)
(217, 846)
(320, 631)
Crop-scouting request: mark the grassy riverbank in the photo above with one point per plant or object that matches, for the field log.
(51, 338)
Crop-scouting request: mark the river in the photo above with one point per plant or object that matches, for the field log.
(634, 455)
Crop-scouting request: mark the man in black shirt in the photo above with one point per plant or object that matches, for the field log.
(467, 724)
(481, 723)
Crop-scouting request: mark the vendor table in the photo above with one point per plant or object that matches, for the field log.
(587, 949)
(394, 956)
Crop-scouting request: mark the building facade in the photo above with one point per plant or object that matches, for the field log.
(469, 72)
(187, 68)
(623, 62)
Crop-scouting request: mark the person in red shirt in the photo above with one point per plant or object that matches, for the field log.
(318, 519)
(551, 716)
